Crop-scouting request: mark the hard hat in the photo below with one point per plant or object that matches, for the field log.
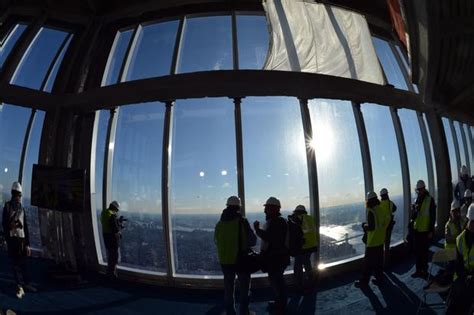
(464, 170)
(470, 212)
(300, 208)
(383, 191)
(115, 204)
(272, 201)
(371, 194)
(420, 184)
(16, 186)
(233, 201)
(468, 193)
(455, 204)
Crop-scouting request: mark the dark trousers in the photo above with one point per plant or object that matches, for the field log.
(461, 297)
(373, 263)
(229, 289)
(17, 253)
(421, 251)
(112, 260)
(275, 275)
(303, 260)
(388, 239)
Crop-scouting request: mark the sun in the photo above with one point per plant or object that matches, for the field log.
(323, 143)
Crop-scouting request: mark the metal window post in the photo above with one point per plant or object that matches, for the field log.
(25, 145)
(364, 148)
(239, 151)
(456, 144)
(427, 150)
(177, 46)
(466, 150)
(404, 166)
(235, 43)
(165, 190)
(312, 170)
(109, 157)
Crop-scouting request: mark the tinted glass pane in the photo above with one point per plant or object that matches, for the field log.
(462, 152)
(206, 44)
(385, 159)
(451, 150)
(13, 123)
(136, 184)
(340, 178)
(102, 120)
(7, 44)
(467, 131)
(57, 64)
(34, 65)
(274, 155)
(203, 170)
(252, 35)
(434, 193)
(116, 57)
(389, 64)
(414, 147)
(153, 51)
(31, 158)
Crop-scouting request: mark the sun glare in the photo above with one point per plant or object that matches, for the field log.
(323, 143)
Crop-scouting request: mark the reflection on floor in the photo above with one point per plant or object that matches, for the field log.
(335, 296)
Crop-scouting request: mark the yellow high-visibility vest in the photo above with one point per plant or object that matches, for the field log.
(422, 221)
(377, 236)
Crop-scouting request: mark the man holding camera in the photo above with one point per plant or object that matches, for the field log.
(15, 228)
(112, 233)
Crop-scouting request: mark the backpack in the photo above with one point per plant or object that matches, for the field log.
(295, 236)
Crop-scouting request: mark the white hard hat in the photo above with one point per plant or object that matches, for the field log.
(233, 201)
(455, 204)
(115, 204)
(383, 191)
(420, 184)
(16, 186)
(464, 170)
(470, 212)
(371, 194)
(272, 201)
(300, 208)
(468, 193)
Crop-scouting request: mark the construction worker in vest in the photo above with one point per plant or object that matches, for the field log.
(454, 226)
(461, 298)
(112, 232)
(274, 252)
(231, 231)
(467, 202)
(15, 227)
(463, 183)
(423, 219)
(376, 229)
(389, 208)
(310, 245)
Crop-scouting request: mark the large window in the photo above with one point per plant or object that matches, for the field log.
(206, 44)
(7, 43)
(136, 184)
(385, 160)
(203, 175)
(415, 148)
(451, 150)
(13, 124)
(39, 57)
(153, 52)
(274, 155)
(340, 178)
(31, 158)
(389, 64)
(252, 39)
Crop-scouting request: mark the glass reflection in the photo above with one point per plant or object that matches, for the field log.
(116, 57)
(7, 44)
(340, 178)
(451, 150)
(389, 64)
(462, 152)
(253, 41)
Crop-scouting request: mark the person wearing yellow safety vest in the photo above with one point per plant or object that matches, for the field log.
(376, 228)
(463, 183)
(232, 231)
(111, 231)
(310, 245)
(454, 226)
(423, 221)
(389, 208)
(467, 202)
(461, 298)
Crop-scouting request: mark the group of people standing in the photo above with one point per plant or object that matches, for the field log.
(234, 236)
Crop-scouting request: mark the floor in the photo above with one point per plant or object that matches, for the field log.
(337, 295)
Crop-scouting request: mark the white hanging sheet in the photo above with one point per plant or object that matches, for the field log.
(318, 38)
